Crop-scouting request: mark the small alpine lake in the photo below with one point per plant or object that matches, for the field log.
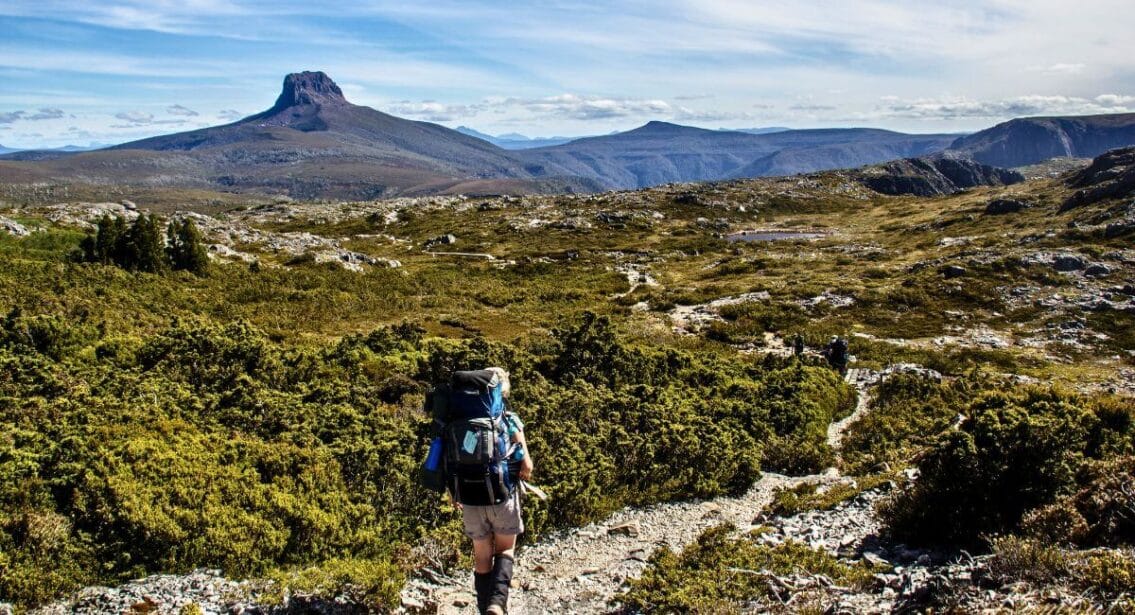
(772, 235)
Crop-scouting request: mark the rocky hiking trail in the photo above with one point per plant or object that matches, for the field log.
(582, 569)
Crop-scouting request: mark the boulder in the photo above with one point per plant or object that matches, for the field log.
(1118, 229)
(13, 228)
(952, 271)
(998, 207)
(1097, 270)
(1069, 262)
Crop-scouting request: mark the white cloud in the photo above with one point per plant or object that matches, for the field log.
(684, 114)
(1060, 68)
(1115, 100)
(135, 117)
(812, 107)
(578, 107)
(229, 115)
(45, 113)
(181, 110)
(431, 111)
(959, 108)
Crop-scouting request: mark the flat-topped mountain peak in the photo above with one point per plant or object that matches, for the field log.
(309, 88)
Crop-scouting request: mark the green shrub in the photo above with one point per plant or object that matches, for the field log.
(1017, 450)
(374, 584)
(720, 574)
(907, 413)
(1101, 512)
(814, 496)
(1108, 573)
(1018, 559)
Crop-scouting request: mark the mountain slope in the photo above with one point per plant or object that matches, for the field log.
(659, 152)
(1029, 140)
(313, 143)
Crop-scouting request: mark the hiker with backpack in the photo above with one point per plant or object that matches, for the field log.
(480, 457)
(836, 353)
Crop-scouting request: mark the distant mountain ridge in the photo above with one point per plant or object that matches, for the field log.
(313, 143)
(661, 152)
(1025, 141)
(512, 141)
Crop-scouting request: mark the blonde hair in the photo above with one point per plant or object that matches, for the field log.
(501, 375)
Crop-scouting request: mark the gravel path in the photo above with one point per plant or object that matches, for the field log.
(581, 570)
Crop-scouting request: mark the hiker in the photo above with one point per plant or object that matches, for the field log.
(485, 459)
(836, 353)
(798, 345)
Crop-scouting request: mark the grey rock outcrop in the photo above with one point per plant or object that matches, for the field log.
(935, 176)
(13, 228)
(1110, 176)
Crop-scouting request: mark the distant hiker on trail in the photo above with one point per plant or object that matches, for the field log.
(798, 345)
(480, 457)
(836, 353)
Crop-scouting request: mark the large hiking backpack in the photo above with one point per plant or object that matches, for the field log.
(469, 415)
(839, 350)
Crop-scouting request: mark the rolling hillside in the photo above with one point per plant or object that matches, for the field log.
(660, 152)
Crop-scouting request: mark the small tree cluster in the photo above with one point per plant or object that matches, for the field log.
(140, 246)
(184, 247)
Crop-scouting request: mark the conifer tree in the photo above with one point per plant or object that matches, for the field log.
(185, 247)
(145, 250)
(107, 244)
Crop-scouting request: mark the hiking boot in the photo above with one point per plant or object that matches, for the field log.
(502, 579)
(483, 583)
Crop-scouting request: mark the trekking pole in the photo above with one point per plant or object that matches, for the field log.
(533, 489)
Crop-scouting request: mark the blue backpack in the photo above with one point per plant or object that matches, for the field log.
(469, 454)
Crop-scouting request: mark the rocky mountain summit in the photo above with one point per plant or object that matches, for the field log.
(308, 88)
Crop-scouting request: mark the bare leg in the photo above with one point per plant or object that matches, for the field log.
(483, 555)
(504, 543)
(502, 574)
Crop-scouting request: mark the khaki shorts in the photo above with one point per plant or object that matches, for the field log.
(484, 521)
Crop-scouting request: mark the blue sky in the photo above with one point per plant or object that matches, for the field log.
(76, 72)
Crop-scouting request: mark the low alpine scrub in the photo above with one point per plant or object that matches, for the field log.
(723, 573)
(208, 445)
(1016, 450)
